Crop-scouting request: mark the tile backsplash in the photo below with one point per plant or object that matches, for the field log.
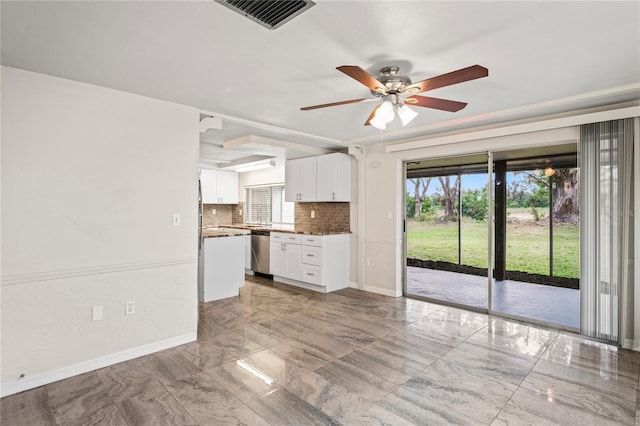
(223, 215)
(329, 217)
(237, 218)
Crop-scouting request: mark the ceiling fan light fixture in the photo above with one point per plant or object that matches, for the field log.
(406, 114)
(385, 112)
(378, 123)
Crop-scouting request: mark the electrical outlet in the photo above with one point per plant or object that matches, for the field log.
(240, 212)
(213, 211)
(367, 261)
(313, 214)
(130, 307)
(96, 313)
(389, 214)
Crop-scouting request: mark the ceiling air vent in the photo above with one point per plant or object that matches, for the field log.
(269, 13)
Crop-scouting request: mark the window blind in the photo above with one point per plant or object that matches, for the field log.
(266, 205)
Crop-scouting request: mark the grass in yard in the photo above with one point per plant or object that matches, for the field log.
(527, 245)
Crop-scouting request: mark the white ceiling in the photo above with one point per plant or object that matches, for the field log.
(543, 58)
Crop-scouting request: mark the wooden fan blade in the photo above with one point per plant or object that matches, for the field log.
(436, 103)
(363, 77)
(352, 101)
(454, 77)
(373, 113)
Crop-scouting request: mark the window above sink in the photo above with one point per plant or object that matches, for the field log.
(265, 206)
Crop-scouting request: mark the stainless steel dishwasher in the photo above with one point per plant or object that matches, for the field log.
(260, 246)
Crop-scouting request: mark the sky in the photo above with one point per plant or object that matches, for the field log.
(476, 181)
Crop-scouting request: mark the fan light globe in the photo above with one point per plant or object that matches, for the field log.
(385, 112)
(406, 114)
(377, 123)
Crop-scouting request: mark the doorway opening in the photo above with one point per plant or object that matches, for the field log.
(521, 222)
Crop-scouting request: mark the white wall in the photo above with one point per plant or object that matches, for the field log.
(90, 180)
(270, 176)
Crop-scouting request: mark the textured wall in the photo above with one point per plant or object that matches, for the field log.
(222, 216)
(329, 217)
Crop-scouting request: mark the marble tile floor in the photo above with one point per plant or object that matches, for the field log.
(552, 305)
(279, 355)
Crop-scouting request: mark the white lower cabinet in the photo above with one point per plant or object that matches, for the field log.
(319, 263)
(284, 257)
(222, 266)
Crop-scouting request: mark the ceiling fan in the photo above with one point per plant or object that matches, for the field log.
(397, 92)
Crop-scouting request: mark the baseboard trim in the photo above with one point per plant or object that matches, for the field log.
(354, 285)
(47, 377)
(382, 291)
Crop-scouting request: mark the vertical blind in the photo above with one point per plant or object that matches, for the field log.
(606, 170)
(266, 205)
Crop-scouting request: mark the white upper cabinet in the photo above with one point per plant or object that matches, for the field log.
(219, 187)
(333, 177)
(322, 178)
(300, 179)
(228, 187)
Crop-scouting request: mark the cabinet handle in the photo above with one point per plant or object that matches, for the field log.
(310, 255)
(309, 273)
(334, 195)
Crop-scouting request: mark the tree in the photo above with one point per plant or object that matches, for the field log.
(565, 196)
(537, 189)
(449, 195)
(411, 205)
(564, 184)
(474, 203)
(420, 188)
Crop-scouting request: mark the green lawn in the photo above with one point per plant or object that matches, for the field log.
(527, 245)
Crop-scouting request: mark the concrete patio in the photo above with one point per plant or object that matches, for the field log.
(549, 304)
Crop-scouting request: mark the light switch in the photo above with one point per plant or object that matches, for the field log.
(213, 211)
(176, 219)
(96, 313)
(389, 214)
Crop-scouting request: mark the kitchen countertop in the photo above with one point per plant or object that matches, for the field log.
(286, 229)
(217, 232)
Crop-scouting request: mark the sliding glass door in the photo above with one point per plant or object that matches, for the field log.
(537, 242)
(446, 231)
(497, 233)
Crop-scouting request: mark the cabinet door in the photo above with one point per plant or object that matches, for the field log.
(300, 179)
(209, 186)
(276, 258)
(228, 187)
(334, 177)
(292, 180)
(308, 179)
(292, 254)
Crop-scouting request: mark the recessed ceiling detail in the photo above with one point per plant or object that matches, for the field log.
(271, 14)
